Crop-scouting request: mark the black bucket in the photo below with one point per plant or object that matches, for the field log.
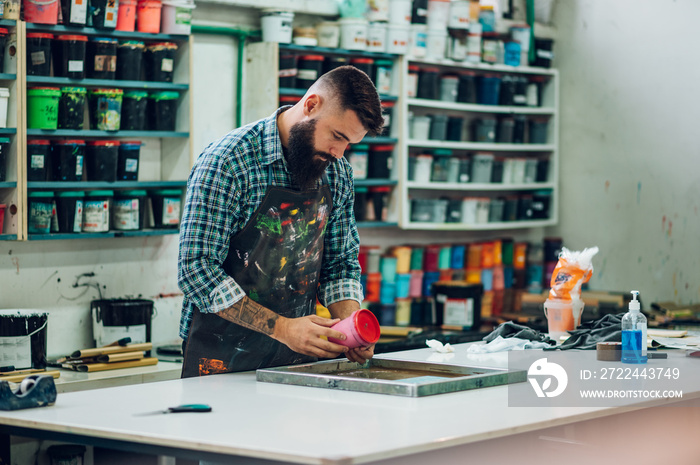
(69, 56)
(160, 61)
(461, 294)
(39, 53)
(129, 59)
(162, 110)
(71, 107)
(114, 319)
(27, 348)
(134, 104)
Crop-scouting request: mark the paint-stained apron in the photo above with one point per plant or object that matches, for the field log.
(276, 259)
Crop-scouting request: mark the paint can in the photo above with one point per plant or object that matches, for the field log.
(458, 304)
(277, 26)
(23, 334)
(415, 286)
(387, 294)
(403, 312)
(388, 269)
(403, 258)
(353, 33)
(403, 285)
(114, 319)
(361, 329)
(373, 287)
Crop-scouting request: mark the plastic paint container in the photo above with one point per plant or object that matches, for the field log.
(380, 161)
(387, 112)
(4, 150)
(440, 165)
(520, 90)
(373, 260)
(482, 165)
(510, 209)
(160, 61)
(379, 200)
(74, 12)
(415, 286)
(538, 130)
(128, 161)
(104, 14)
(424, 168)
(504, 132)
(444, 257)
(328, 34)
(101, 58)
(438, 127)
(24, 335)
(469, 210)
(358, 156)
(40, 212)
(105, 107)
(507, 90)
(333, 62)
(458, 15)
(134, 105)
(403, 310)
(466, 92)
(419, 12)
(69, 56)
(309, 68)
(287, 70)
(416, 258)
(440, 210)
(4, 36)
(42, 107)
(542, 170)
(403, 259)
(482, 210)
(512, 53)
(166, 208)
(162, 110)
(2, 216)
(4, 100)
(420, 127)
(485, 130)
(540, 204)
(497, 170)
(488, 87)
(429, 83)
(376, 37)
(429, 278)
(436, 45)
(373, 287)
(176, 17)
(397, 38)
(449, 85)
(101, 160)
(543, 52)
(38, 160)
(422, 210)
(126, 16)
(353, 33)
(360, 205)
(69, 210)
(418, 40)
(387, 311)
(458, 256)
(530, 171)
(71, 108)
(129, 60)
(387, 294)
(276, 26)
(68, 159)
(412, 86)
(496, 210)
(148, 14)
(41, 11)
(128, 210)
(96, 207)
(403, 285)
(387, 267)
(454, 128)
(519, 129)
(400, 11)
(39, 53)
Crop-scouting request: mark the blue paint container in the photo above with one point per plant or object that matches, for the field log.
(429, 277)
(388, 269)
(387, 315)
(511, 55)
(403, 285)
(387, 294)
(508, 277)
(488, 89)
(445, 257)
(41, 211)
(457, 259)
(487, 279)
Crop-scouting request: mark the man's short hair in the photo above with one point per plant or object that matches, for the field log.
(355, 91)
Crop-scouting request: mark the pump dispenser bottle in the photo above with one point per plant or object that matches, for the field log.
(634, 333)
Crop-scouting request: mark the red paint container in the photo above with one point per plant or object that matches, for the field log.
(431, 258)
(373, 288)
(361, 329)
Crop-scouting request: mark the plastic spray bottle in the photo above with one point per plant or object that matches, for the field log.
(634, 333)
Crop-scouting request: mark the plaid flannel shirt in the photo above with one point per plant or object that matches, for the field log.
(225, 187)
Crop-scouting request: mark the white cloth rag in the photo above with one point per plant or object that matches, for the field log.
(501, 344)
(439, 347)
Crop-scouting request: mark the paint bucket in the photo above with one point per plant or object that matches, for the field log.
(353, 33)
(40, 212)
(328, 34)
(74, 12)
(159, 61)
(101, 160)
(96, 209)
(105, 109)
(562, 316)
(69, 56)
(403, 259)
(277, 26)
(469, 210)
(39, 53)
(4, 151)
(429, 277)
(38, 160)
(418, 40)
(129, 60)
(400, 12)
(162, 110)
(134, 104)
(128, 210)
(101, 57)
(376, 37)
(42, 107)
(4, 98)
(373, 260)
(68, 159)
(69, 210)
(128, 161)
(23, 335)
(438, 14)
(403, 312)
(397, 38)
(388, 269)
(361, 329)
(114, 319)
(387, 314)
(41, 11)
(458, 304)
(387, 294)
(403, 285)
(148, 14)
(166, 205)
(458, 15)
(373, 287)
(126, 15)
(71, 108)
(103, 14)
(176, 17)
(415, 286)
(436, 44)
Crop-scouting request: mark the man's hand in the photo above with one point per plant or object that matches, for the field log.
(302, 335)
(360, 354)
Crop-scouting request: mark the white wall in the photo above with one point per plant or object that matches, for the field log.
(630, 108)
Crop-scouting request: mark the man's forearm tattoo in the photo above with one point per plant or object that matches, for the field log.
(250, 314)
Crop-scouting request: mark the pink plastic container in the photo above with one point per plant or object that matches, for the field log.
(361, 329)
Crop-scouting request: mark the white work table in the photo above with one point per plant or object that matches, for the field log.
(72, 381)
(278, 423)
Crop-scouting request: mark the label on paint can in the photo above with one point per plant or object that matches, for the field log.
(16, 351)
(38, 58)
(166, 65)
(79, 166)
(458, 312)
(78, 11)
(78, 218)
(37, 162)
(107, 334)
(171, 211)
(96, 216)
(75, 66)
(307, 74)
(132, 165)
(126, 214)
(111, 14)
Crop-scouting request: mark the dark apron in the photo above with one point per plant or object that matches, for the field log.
(276, 259)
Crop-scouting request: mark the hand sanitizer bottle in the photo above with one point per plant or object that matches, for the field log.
(634, 333)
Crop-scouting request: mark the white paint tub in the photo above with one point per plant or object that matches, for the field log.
(4, 97)
(458, 15)
(400, 12)
(438, 13)
(353, 33)
(176, 17)
(436, 44)
(418, 40)
(397, 36)
(376, 37)
(277, 26)
(328, 34)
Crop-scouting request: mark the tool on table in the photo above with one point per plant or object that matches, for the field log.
(119, 354)
(33, 391)
(194, 408)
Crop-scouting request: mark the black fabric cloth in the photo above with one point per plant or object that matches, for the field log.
(510, 329)
(588, 334)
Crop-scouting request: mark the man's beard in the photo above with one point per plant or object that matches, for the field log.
(306, 164)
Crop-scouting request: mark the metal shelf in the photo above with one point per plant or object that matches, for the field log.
(477, 108)
(337, 51)
(376, 224)
(103, 235)
(146, 85)
(84, 185)
(8, 185)
(479, 227)
(8, 22)
(89, 31)
(495, 147)
(301, 92)
(95, 133)
(494, 186)
(379, 140)
(8, 237)
(8, 131)
(374, 182)
(8, 76)
(484, 67)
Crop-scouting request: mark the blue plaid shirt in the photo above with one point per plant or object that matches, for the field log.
(226, 185)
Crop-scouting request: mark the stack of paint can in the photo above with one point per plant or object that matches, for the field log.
(508, 281)
(403, 284)
(535, 268)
